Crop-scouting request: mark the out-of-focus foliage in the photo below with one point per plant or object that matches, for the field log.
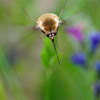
(29, 69)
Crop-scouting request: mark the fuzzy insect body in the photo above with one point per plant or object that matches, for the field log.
(48, 23)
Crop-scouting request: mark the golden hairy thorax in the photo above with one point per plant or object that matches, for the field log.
(48, 22)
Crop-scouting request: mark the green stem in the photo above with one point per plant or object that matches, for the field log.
(48, 80)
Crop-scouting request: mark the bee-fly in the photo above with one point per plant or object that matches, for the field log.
(49, 24)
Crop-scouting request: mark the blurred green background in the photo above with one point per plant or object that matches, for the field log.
(29, 69)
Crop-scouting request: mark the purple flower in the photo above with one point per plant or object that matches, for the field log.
(79, 59)
(97, 66)
(76, 32)
(94, 40)
(97, 89)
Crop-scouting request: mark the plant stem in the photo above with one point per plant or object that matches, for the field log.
(48, 81)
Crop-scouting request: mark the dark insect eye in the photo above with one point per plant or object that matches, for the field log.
(47, 35)
(55, 33)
